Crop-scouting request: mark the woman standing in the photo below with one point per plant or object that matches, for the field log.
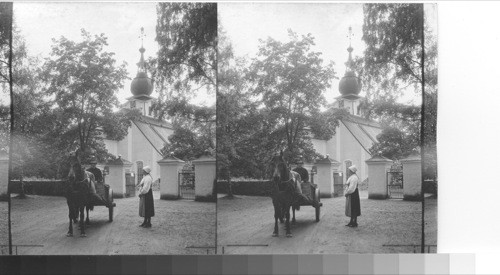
(146, 204)
(353, 207)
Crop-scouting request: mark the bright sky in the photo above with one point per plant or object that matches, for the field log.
(246, 23)
(120, 22)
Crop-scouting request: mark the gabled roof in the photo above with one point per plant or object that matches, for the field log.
(363, 121)
(155, 122)
(363, 130)
(154, 130)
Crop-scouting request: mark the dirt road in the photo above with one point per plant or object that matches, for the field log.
(177, 225)
(245, 226)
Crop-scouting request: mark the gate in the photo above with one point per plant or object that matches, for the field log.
(394, 178)
(187, 183)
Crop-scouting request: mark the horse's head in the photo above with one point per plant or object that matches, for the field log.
(76, 175)
(278, 168)
(281, 173)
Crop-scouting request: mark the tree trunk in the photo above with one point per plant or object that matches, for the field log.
(22, 194)
(230, 186)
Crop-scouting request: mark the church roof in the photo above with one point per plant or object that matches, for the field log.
(154, 130)
(363, 130)
(363, 121)
(156, 122)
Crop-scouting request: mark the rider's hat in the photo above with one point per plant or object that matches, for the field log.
(353, 168)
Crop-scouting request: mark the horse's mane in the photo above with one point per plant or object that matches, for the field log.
(285, 180)
(77, 175)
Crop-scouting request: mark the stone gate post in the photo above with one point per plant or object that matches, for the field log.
(116, 177)
(377, 177)
(169, 177)
(205, 173)
(324, 176)
(412, 178)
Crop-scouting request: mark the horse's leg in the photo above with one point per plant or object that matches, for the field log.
(293, 211)
(75, 214)
(277, 215)
(82, 223)
(87, 221)
(287, 223)
(70, 229)
(281, 214)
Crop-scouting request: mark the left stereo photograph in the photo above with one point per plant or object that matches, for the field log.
(112, 132)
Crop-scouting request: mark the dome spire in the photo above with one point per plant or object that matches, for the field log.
(142, 64)
(141, 84)
(349, 85)
(349, 63)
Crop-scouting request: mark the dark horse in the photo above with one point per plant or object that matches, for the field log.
(78, 195)
(283, 193)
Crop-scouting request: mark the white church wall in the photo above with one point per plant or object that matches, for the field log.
(320, 146)
(353, 151)
(144, 151)
(331, 147)
(326, 147)
(111, 146)
(122, 147)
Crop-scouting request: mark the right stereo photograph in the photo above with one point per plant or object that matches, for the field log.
(326, 128)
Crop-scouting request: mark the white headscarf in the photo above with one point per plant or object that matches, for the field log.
(147, 169)
(353, 168)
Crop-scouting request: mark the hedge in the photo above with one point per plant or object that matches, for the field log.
(246, 188)
(42, 188)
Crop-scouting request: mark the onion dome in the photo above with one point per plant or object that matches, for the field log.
(141, 84)
(349, 85)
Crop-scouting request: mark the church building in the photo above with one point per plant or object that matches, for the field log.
(353, 138)
(147, 135)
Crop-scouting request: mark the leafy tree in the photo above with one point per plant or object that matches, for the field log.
(5, 61)
(393, 37)
(32, 115)
(190, 140)
(83, 78)
(5, 38)
(392, 144)
(289, 81)
(392, 64)
(186, 63)
(242, 146)
(187, 36)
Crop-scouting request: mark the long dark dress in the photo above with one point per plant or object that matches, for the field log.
(149, 203)
(355, 205)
